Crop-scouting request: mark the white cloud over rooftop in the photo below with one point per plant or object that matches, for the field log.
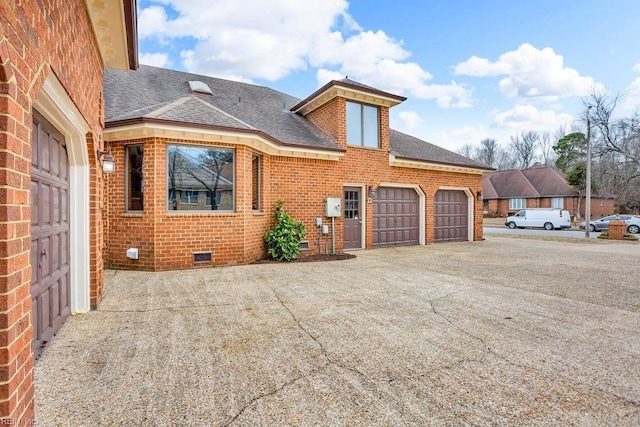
(254, 39)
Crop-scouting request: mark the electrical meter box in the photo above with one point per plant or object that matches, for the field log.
(333, 207)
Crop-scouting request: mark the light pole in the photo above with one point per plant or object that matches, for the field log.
(587, 202)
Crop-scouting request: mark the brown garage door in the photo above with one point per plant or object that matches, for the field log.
(451, 218)
(395, 217)
(50, 286)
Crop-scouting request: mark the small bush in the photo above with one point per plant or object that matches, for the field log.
(283, 241)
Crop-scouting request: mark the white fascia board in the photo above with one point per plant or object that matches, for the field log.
(421, 164)
(255, 141)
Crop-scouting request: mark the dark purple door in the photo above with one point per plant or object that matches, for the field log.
(451, 216)
(352, 218)
(396, 217)
(50, 285)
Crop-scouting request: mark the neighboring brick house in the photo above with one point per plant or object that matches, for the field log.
(506, 192)
(256, 146)
(52, 56)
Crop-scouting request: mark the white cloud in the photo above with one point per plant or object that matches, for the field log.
(409, 120)
(451, 95)
(631, 100)
(481, 67)
(455, 139)
(324, 76)
(155, 59)
(469, 133)
(636, 67)
(530, 72)
(152, 21)
(254, 39)
(528, 117)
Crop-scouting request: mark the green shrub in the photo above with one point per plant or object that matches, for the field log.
(283, 241)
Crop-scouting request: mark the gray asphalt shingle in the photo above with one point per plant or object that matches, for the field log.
(157, 93)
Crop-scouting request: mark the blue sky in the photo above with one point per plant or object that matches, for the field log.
(470, 70)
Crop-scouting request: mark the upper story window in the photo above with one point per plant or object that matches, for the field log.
(363, 125)
(200, 178)
(134, 186)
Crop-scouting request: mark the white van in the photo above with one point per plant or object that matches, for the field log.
(547, 218)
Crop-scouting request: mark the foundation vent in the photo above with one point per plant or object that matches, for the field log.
(202, 257)
(304, 246)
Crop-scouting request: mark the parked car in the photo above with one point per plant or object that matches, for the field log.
(633, 223)
(547, 218)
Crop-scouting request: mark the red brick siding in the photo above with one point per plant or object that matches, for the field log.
(302, 184)
(167, 240)
(38, 38)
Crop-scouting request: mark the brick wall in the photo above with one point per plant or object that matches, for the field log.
(36, 38)
(167, 240)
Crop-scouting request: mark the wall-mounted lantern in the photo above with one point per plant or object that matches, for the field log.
(479, 195)
(372, 192)
(108, 162)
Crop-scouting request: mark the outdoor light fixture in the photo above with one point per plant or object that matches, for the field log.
(372, 191)
(479, 195)
(108, 162)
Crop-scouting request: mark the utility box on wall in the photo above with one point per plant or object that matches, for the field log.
(333, 207)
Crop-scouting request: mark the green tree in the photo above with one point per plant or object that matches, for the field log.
(577, 178)
(571, 150)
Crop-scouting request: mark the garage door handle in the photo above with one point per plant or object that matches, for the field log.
(44, 253)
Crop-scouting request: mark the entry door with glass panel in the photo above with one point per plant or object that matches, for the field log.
(352, 218)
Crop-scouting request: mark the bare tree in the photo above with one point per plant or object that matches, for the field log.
(505, 161)
(468, 150)
(524, 148)
(488, 151)
(547, 142)
(616, 144)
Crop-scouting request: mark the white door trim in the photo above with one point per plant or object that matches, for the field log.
(56, 106)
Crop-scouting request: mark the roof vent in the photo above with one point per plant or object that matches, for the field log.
(200, 87)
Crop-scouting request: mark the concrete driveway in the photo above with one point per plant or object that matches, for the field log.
(504, 331)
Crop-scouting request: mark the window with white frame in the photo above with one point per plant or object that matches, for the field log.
(517, 203)
(363, 125)
(557, 202)
(189, 196)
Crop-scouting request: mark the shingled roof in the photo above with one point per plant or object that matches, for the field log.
(543, 181)
(158, 94)
(409, 147)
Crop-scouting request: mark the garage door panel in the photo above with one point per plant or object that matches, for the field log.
(50, 283)
(396, 217)
(451, 216)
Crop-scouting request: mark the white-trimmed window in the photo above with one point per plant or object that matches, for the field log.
(189, 196)
(363, 125)
(557, 202)
(517, 203)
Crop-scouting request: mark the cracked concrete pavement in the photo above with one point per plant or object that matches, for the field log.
(504, 331)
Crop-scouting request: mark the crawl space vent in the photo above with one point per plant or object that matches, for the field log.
(304, 246)
(201, 257)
